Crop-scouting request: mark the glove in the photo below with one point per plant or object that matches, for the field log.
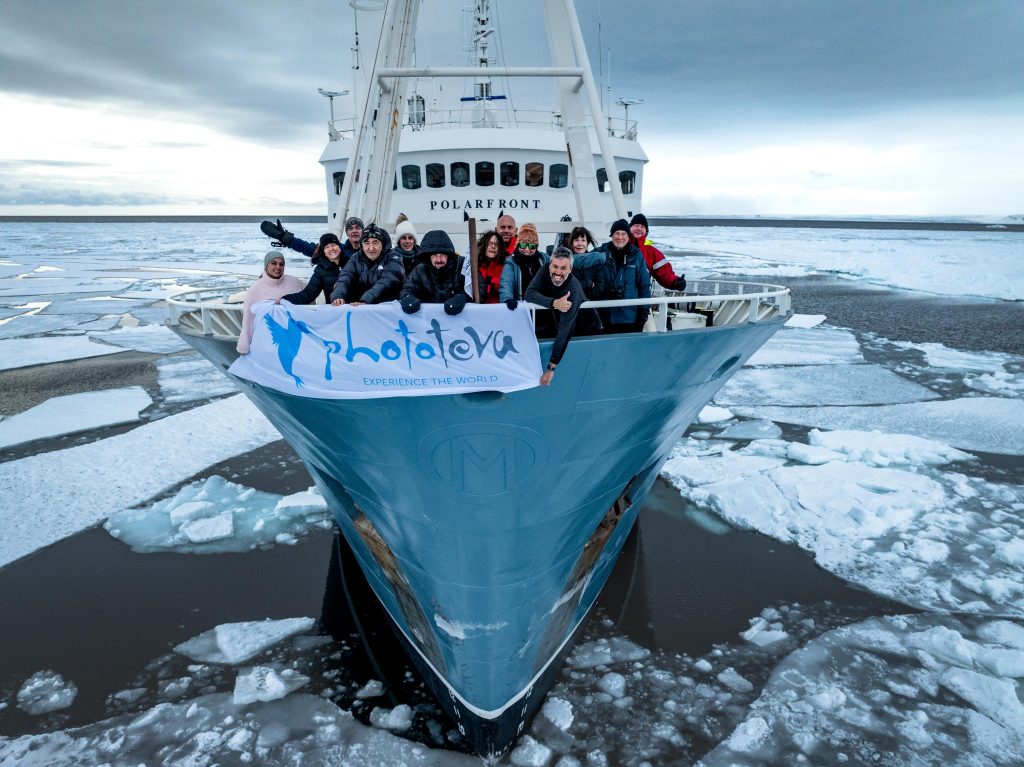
(277, 232)
(511, 304)
(680, 283)
(410, 304)
(455, 304)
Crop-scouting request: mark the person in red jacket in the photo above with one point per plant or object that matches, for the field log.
(657, 264)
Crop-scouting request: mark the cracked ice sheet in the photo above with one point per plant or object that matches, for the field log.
(190, 377)
(902, 690)
(808, 346)
(31, 324)
(986, 424)
(25, 352)
(103, 477)
(74, 413)
(923, 536)
(153, 339)
(821, 385)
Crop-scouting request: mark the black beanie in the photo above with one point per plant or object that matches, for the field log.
(436, 241)
(327, 239)
(619, 226)
(641, 219)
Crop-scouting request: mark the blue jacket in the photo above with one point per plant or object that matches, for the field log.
(626, 276)
(512, 278)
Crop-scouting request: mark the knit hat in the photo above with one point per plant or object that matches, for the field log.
(374, 232)
(528, 233)
(436, 241)
(641, 219)
(353, 220)
(405, 227)
(327, 238)
(619, 226)
(271, 255)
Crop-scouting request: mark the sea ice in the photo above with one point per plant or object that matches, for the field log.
(372, 689)
(987, 424)
(808, 346)
(214, 516)
(529, 753)
(878, 449)
(103, 477)
(190, 377)
(74, 413)
(820, 385)
(235, 643)
(999, 383)
(712, 414)
(395, 719)
(751, 430)
(805, 320)
(32, 324)
(558, 712)
(25, 352)
(263, 683)
(154, 339)
(941, 356)
(46, 691)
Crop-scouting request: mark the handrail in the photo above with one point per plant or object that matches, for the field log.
(220, 317)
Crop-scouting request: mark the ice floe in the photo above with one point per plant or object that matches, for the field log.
(808, 346)
(104, 477)
(24, 352)
(46, 691)
(262, 683)
(215, 516)
(190, 377)
(987, 424)
(74, 413)
(805, 320)
(941, 356)
(712, 414)
(234, 643)
(900, 690)
(155, 339)
(32, 324)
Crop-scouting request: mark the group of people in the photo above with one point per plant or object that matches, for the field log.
(511, 267)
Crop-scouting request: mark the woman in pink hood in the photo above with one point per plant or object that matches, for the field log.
(271, 285)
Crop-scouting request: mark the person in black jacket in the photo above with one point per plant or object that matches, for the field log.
(327, 264)
(370, 277)
(439, 281)
(555, 288)
(353, 229)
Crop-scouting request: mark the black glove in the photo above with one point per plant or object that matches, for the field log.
(277, 232)
(456, 304)
(410, 304)
(511, 304)
(680, 283)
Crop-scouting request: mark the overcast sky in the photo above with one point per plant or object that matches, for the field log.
(826, 107)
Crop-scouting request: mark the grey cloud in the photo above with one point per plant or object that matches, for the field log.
(32, 194)
(18, 166)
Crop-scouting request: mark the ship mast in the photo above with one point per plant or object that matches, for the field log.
(480, 35)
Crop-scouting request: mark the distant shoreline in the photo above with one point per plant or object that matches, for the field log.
(689, 221)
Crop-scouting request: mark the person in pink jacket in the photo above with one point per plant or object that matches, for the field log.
(270, 286)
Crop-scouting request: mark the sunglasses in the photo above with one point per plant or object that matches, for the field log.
(528, 245)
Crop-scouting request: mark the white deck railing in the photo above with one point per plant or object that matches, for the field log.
(218, 312)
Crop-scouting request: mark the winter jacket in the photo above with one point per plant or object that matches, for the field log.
(264, 289)
(435, 286)
(513, 284)
(590, 269)
(543, 292)
(309, 249)
(410, 258)
(659, 266)
(325, 275)
(490, 278)
(626, 276)
(371, 282)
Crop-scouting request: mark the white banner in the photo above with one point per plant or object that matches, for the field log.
(379, 351)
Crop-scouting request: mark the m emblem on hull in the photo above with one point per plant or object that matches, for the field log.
(486, 460)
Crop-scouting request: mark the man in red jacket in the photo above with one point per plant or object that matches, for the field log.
(657, 264)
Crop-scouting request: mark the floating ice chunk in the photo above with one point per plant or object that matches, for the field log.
(818, 346)
(613, 683)
(732, 679)
(812, 454)
(372, 689)
(703, 665)
(265, 683)
(751, 430)
(188, 378)
(761, 635)
(712, 414)
(805, 320)
(878, 449)
(749, 736)
(235, 643)
(1011, 552)
(995, 698)
(25, 352)
(603, 652)
(530, 753)
(988, 424)
(154, 339)
(821, 385)
(1000, 383)
(45, 691)
(215, 515)
(702, 471)
(32, 324)
(941, 356)
(558, 712)
(395, 719)
(1004, 633)
(74, 413)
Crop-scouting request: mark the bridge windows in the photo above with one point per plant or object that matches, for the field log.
(602, 180)
(535, 174)
(411, 177)
(460, 173)
(510, 174)
(485, 173)
(339, 181)
(435, 175)
(558, 176)
(627, 180)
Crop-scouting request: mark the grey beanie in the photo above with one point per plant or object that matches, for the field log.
(271, 255)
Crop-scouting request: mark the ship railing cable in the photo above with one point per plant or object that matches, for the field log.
(218, 311)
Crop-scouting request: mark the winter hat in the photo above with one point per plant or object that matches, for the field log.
(327, 239)
(353, 220)
(641, 219)
(619, 226)
(528, 233)
(405, 227)
(436, 241)
(374, 232)
(271, 255)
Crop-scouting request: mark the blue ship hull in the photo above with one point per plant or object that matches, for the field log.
(487, 523)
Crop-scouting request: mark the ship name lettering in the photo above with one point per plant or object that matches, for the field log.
(479, 203)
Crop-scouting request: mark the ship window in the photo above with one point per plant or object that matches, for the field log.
(627, 178)
(602, 180)
(485, 173)
(435, 175)
(558, 176)
(535, 174)
(510, 174)
(411, 177)
(460, 174)
(339, 180)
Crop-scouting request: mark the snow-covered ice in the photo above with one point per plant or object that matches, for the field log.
(235, 643)
(104, 477)
(395, 719)
(155, 339)
(813, 346)
(263, 683)
(74, 413)
(190, 377)
(805, 320)
(214, 516)
(46, 691)
(712, 414)
(25, 352)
